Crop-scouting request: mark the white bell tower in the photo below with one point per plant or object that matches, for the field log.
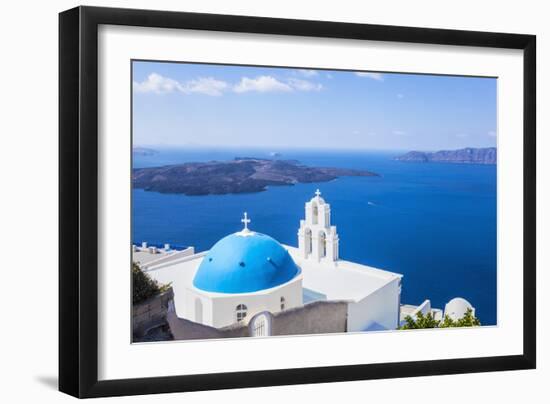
(317, 239)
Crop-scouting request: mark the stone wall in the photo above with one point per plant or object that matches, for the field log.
(150, 313)
(320, 317)
(183, 329)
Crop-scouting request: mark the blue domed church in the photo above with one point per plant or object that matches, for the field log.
(243, 274)
(245, 262)
(250, 284)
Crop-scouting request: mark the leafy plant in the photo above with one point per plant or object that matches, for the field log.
(468, 320)
(421, 321)
(427, 321)
(143, 286)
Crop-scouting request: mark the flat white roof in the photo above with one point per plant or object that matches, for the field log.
(148, 259)
(179, 272)
(343, 280)
(144, 256)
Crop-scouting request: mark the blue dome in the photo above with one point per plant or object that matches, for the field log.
(244, 263)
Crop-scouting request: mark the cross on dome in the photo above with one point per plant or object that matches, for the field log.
(245, 220)
(317, 193)
(245, 232)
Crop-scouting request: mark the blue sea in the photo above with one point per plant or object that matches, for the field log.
(433, 223)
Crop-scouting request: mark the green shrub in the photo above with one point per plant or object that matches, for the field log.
(427, 321)
(421, 321)
(469, 320)
(143, 286)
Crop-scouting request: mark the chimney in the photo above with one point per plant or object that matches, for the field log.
(166, 247)
(144, 245)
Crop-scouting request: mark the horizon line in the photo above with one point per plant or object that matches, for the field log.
(274, 149)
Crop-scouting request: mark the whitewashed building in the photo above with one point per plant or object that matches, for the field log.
(248, 273)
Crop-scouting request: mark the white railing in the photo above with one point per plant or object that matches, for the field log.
(170, 260)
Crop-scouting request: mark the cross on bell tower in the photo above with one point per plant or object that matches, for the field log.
(317, 193)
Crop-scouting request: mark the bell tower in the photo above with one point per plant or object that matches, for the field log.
(317, 239)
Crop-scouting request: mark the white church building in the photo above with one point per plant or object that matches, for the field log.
(248, 276)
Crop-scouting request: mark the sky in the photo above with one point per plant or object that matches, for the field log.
(205, 105)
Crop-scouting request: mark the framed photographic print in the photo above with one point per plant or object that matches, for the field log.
(251, 201)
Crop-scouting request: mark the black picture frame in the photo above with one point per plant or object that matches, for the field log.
(78, 200)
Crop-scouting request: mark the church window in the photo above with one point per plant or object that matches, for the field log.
(282, 303)
(308, 241)
(315, 214)
(241, 312)
(323, 244)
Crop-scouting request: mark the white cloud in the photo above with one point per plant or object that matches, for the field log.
(462, 135)
(492, 133)
(355, 132)
(399, 132)
(304, 85)
(400, 96)
(261, 84)
(155, 83)
(264, 84)
(205, 85)
(307, 72)
(371, 75)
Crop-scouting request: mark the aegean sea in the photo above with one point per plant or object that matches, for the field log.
(434, 223)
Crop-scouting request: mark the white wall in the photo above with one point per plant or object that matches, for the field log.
(180, 275)
(219, 310)
(381, 307)
(29, 189)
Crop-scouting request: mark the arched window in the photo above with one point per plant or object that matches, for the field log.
(308, 241)
(282, 303)
(241, 311)
(322, 244)
(315, 217)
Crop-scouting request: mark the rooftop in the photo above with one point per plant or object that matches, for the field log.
(344, 280)
(321, 281)
(145, 255)
(148, 255)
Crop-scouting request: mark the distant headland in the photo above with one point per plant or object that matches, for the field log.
(469, 155)
(241, 175)
(143, 151)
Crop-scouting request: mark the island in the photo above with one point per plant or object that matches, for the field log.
(241, 175)
(468, 155)
(143, 151)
